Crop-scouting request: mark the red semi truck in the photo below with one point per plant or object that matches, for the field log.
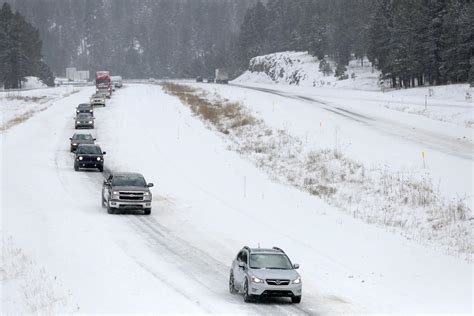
(103, 81)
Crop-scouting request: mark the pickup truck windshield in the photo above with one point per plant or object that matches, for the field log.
(270, 261)
(89, 150)
(84, 116)
(128, 180)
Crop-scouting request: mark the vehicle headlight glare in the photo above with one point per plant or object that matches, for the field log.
(90, 122)
(80, 158)
(297, 281)
(256, 280)
(98, 158)
(74, 144)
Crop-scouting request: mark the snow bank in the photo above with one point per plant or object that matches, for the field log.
(400, 202)
(18, 106)
(27, 288)
(300, 68)
(33, 83)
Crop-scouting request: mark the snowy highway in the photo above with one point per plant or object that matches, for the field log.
(177, 260)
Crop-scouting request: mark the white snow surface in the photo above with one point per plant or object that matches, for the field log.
(21, 104)
(177, 259)
(32, 82)
(299, 71)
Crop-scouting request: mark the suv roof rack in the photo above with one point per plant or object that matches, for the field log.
(279, 249)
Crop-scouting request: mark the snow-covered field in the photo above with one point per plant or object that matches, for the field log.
(177, 260)
(18, 106)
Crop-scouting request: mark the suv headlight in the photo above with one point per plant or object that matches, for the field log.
(147, 196)
(80, 158)
(115, 195)
(99, 159)
(255, 279)
(297, 280)
(90, 122)
(74, 144)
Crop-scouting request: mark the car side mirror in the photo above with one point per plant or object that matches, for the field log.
(95, 139)
(106, 182)
(296, 266)
(150, 185)
(103, 153)
(70, 138)
(241, 264)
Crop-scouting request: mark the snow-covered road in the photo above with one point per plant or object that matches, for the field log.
(177, 259)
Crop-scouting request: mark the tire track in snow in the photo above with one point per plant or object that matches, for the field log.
(198, 265)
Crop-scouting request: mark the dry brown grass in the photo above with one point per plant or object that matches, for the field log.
(19, 119)
(223, 115)
(25, 98)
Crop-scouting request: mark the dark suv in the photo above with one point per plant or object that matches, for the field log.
(126, 191)
(85, 108)
(78, 139)
(89, 156)
(84, 120)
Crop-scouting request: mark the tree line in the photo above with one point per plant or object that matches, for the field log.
(20, 51)
(412, 42)
(137, 38)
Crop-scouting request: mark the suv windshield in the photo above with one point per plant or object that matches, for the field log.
(89, 150)
(82, 137)
(84, 106)
(270, 261)
(129, 180)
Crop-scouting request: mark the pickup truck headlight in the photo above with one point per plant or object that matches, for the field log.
(297, 280)
(80, 158)
(256, 280)
(114, 195)
(147, 196)
(99, 159)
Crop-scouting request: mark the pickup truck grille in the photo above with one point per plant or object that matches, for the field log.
(277, 282)
(131, 196)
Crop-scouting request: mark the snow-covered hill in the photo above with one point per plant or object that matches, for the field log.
(300, 68)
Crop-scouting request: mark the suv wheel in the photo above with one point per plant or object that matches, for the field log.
(296, 299)
(101, 168)
(76, 166)
(103, 201)
(248, 298)
(147, 211)
(232, 289)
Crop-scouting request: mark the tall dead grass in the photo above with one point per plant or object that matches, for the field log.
(224, 116)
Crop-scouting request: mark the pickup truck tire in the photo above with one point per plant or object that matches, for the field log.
(110, 210)
(103, 201)
(76, 167)
(147, 211)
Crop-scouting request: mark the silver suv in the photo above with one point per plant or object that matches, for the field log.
(126, 191)
(259, 272)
